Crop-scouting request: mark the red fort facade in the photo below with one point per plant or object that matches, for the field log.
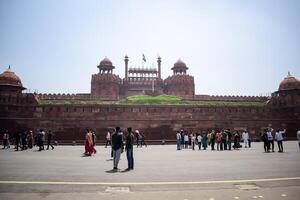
(68, 115)
(140, 80)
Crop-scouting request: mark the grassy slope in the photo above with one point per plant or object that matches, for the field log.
(155, 100)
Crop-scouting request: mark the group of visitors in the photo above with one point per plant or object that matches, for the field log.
(223, 139)
(118, 138)
(268, 137)
(24, 140)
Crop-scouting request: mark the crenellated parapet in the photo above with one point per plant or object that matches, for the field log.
(62, 96)
(18, 98)
(180, 85)
(231, 98)
(179, 79)
(106, 78)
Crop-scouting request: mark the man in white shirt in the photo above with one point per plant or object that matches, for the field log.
(199, 138)
(279, 139)
(108, 139)
(270, 139)
(178, 140)
(245, 138)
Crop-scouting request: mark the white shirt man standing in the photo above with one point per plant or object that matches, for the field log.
(279, 139)
(245, 137)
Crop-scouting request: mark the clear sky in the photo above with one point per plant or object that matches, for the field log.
(238, 47)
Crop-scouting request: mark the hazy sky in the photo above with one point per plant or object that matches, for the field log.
(233, 47)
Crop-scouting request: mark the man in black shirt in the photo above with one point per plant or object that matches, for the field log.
(117, 146)
(129, 148)
(49, 139)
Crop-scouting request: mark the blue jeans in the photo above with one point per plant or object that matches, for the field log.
(178, 144)
(129, 154)
(229, 145)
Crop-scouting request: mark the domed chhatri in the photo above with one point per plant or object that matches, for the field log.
(9, 78)
(106, 62)
(180, 64)
(179, 67)
(105, 66)
(289, 83)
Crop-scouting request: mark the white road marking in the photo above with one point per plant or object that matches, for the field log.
(149, 183)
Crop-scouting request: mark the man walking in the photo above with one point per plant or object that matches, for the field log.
(117, 146)
(49, 139)
(129, 148)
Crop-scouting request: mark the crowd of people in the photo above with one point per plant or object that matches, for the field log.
(218, 140)
(24, 140)
(225, 139)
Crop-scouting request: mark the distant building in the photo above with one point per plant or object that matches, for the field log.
(141, 80)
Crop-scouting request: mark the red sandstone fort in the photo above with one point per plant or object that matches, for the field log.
(67, 115)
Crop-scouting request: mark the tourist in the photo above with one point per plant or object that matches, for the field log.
(49, 140)
(298, 137)
(178, 140)
(143, 140)
(6, 140)
(94, 137)
(117, 146)
(182, 139)
(190, 139)
(236, 139)
(24, 140)
(270, 139)
(129, 148)
(199, 139)
(89, 148)
(212, 140)
(108, 139)
(208, 137)
(17, 137)
(229, 136)
(41, 139)
(279, 139)
(186, 140)
(30, 139)
(224, 140)
(138, 138)
(245, 137)
(249, 141)
(204, 140)
(193, 140)
(265, 140)
(218, 139)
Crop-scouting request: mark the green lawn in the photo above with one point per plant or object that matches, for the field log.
(153, 100)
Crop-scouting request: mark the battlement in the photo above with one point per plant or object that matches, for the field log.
(180, 79)
(231, 98)
(106, 78)
(19, 98)
(63, 96)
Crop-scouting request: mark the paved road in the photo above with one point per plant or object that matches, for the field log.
(161, 172)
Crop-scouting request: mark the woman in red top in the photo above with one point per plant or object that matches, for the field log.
(89, 148)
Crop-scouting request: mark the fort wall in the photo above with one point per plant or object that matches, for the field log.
(68, 122)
